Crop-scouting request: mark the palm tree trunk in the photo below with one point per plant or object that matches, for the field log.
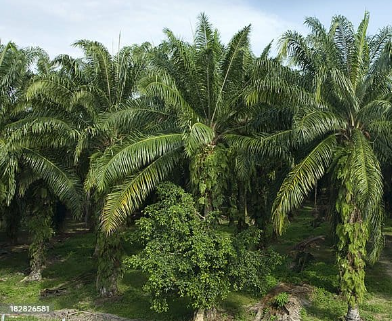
(40, 228)
(109, 255)
(37, 262)
(205, 315)
(199, 315)
(233, 202)
(242, 208)
(89, 217)
(208, 204)
(353, 314)
(12, 223)
(108, 288)
(353, 235)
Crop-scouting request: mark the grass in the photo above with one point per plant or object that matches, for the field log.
(71, 264)
(322, 273)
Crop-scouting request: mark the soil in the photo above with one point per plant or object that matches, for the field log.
(75, 315)
(291, 311)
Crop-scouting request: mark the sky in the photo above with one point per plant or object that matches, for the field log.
(55, 24)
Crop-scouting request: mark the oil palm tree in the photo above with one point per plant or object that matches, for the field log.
(195, 94)
(86, 91)
(341, 127)
(31, 147)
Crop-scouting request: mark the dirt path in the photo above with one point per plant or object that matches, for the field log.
(75, 315)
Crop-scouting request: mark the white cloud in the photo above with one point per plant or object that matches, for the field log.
(54, 25)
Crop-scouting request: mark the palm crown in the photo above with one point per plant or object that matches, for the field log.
(29, 140)
(198, 90)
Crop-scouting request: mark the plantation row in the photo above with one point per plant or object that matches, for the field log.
(248, 138)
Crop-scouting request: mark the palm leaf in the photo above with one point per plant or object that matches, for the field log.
(119, 161)
(126, 198)
(302, 178)
(199, 135)
(63, 184)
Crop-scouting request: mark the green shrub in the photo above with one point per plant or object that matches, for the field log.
(184, 257)
(281, 299)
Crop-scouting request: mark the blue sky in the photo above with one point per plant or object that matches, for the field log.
(56, 24)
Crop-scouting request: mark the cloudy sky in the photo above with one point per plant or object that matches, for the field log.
(55, 24)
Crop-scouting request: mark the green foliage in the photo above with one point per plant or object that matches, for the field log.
(184, 257)
(251, 269)
(326, 305)
(281, 299)
(352, 250)
(209, 177)
(72, 265)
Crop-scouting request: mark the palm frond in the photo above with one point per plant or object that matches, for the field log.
(198, 135)
(300, 181)
(365, 175)
(163, 86)
(63, 184)
(275, 145)
(53, 88)
(9, 46)
(375, 110)
(232, 64)
(138, 113)
(359, 56)
(121, 160)
(344, 39)
(32, 129)
(99, 56)
(315, 123)
(126, 198)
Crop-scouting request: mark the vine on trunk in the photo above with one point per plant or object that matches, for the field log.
(352, 234)
(209, 173)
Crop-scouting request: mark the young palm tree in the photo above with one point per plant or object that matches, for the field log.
(195, 94)
(341, 126)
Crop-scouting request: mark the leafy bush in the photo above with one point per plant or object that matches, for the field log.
(184, 257)
(281, 299)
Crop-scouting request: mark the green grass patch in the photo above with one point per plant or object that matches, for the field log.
(322, 273)
(71, 264)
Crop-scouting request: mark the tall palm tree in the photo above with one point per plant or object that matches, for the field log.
(342, 128)
(194, 95)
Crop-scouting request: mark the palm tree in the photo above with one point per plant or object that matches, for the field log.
(341, 127)
(10, 78)
(86, 91)
(31, 146)
(194, 95)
